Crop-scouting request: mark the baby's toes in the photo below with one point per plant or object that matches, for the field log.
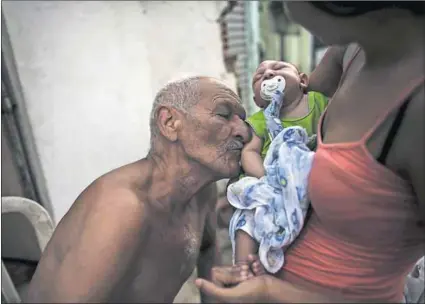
(256, 266)
(245, 272)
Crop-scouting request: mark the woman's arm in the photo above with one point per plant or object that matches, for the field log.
(261, 289)
(326, 76)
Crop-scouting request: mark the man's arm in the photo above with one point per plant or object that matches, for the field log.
(327, 74)
(91, 249)
(251, 160)
(209, 254)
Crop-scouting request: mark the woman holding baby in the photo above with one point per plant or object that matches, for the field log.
(366, 184)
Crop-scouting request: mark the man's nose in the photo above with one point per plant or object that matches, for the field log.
(269, 74)
(242, 131)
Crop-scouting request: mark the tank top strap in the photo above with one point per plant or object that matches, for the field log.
(403, 99)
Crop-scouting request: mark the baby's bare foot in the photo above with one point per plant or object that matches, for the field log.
(256, 266)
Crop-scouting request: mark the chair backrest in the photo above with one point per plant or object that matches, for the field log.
(26, 229)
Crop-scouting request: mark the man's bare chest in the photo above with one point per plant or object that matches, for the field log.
(175, 241)
(165, 261)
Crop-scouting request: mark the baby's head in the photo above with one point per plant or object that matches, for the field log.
(296, 82)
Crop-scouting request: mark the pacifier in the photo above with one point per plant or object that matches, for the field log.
(270, 86)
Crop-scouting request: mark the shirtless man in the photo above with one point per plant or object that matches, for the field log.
(136, 233)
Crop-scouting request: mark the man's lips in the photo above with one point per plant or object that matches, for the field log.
(236, 146)
(236, 151)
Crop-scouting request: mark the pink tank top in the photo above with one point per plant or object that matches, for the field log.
(364, 234)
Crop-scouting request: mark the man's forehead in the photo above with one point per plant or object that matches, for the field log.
(212, 87)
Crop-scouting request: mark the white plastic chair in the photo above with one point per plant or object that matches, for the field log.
(26, 229)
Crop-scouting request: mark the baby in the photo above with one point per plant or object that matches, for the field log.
(297, 109)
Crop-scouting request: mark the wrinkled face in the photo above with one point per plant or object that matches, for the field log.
(214, 132)
(269, 69)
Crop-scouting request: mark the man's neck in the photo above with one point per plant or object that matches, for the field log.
(175, 180)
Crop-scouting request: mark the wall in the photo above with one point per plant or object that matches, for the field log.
(298, 49)
(270, 40)
(89, 72)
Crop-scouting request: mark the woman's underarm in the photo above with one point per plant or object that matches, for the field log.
(327, 74)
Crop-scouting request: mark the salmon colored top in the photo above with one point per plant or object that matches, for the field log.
(363, 236)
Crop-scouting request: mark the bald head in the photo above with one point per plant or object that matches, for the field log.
(182, 95)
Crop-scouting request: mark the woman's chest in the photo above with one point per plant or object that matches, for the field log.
(368, 98)
(363, 110)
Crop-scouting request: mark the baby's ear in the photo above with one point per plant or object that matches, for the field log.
(258, 104)
(303, 82)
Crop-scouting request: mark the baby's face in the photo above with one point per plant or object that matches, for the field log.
(269, 69)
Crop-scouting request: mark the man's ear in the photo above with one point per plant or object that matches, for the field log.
(304, 82)
(169, 122)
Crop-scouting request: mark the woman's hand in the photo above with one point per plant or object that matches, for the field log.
(260, 289)
(250, 291)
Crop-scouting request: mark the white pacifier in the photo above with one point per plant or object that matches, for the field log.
(270, 86)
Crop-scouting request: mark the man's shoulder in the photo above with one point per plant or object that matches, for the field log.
(114, 192)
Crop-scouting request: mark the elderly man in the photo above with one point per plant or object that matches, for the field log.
(136, 233)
